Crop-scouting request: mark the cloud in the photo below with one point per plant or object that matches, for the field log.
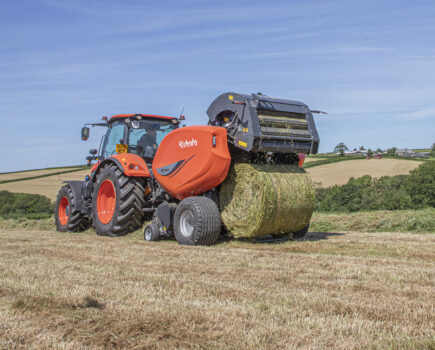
(421, 114)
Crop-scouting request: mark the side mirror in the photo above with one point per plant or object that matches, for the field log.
(88, 160)
(93, 151)
(182, 117)
(85, 133)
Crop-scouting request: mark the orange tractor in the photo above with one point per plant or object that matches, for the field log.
(149, 168)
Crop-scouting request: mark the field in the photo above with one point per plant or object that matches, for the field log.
(30, 173)
(343, 290)
(339, 173)
(352, 283)
(327, 175)
(47, 186)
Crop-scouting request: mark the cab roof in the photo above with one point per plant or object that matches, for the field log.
(120, 116)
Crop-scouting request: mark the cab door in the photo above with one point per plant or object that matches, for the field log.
(115, 135)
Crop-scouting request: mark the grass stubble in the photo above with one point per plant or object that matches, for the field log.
(331, 290)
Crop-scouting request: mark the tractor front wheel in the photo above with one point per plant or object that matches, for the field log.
(197, 221)
(66, 215)
(117, 202)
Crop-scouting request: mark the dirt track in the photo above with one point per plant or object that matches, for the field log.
(333, 290)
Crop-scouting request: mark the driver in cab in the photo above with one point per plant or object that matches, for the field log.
(148, 142)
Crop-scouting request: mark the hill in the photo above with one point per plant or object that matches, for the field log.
(327, 174)
(339, 173)
(47, 185)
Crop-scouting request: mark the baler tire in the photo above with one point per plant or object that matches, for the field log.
(301, 233)
(205, 221)
(127, 212)
(151, 233)
(72, 220)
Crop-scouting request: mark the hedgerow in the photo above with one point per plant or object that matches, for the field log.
(413, 191)
(31, 206)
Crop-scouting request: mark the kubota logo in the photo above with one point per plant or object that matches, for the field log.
(188, 143)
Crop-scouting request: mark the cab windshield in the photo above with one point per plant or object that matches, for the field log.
(144, 136)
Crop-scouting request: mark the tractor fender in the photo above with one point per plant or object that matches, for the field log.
(130, 164)
(76, 187)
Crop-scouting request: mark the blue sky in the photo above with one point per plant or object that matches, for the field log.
(369, 64)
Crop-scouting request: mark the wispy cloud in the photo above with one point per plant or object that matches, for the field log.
(419, 115)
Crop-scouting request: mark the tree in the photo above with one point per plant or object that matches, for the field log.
(340, 148)
(362, 148)
(369, 152)
(379, 150)
(433, 147)
(392, 151)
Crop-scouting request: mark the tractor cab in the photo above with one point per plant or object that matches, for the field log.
(138, 134)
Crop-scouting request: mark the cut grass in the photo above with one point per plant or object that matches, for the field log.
(341, 291)
(419, 221)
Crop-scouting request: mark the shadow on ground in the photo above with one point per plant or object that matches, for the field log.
(310, 236)
(318, 236)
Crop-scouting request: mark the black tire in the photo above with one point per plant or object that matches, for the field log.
(75, 221)
(201, 215)
(128, 210)
(151, 233)
(301, 233)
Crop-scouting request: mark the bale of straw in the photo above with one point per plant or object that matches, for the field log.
(257, 200)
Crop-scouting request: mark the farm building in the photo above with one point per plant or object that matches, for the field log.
(404, 152)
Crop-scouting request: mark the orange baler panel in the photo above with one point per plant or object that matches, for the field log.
(192, 160)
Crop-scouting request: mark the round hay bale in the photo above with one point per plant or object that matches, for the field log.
(257, 200)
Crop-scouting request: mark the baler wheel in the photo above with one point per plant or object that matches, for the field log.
(66, 215)
(301, 233)
(117, 202)
(151, 232)
(197, 221)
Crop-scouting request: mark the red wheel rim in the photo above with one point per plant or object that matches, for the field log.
(63, 211)
(106, 202)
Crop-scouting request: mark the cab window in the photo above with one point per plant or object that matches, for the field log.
(114, 136)
(145, 136)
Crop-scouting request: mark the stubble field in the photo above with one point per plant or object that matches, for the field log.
(339, 173)
(343, 290)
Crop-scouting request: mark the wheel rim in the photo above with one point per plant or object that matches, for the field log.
(186, 223)
(148, 234)
(63, 211)
(106, 202)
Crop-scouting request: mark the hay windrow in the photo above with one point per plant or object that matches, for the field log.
(257, 200)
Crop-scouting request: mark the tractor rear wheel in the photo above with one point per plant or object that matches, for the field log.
(66, 215)
(117, 202)
(197, 221)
